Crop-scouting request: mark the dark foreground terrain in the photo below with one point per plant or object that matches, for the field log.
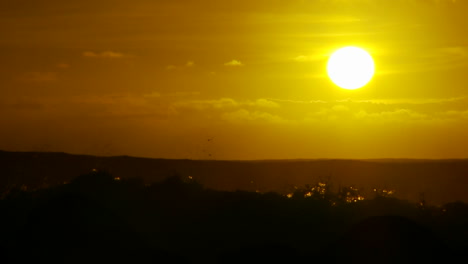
(441, 181)
(101, 218)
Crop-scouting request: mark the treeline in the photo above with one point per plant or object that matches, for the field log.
(105, 218)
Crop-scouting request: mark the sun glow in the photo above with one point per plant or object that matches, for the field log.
(351, 68)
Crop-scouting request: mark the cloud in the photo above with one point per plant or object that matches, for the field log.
(298, 101)
(322, 111)
(225, 104)
(105, 54)
(188, 64)
(386, 2)
(454, 115)
(406, 101)
(245, 115)
(340, 108)
(174, 94)
(343, 113)
(234, 63)
(398, 101)
(336, 112)
(228, 109)
(265, 103)
(396, 115)
(180, 106)
(40, 77)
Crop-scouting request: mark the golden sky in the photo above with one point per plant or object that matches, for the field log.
(245, 79)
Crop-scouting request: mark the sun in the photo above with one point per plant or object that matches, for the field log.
(350, 68)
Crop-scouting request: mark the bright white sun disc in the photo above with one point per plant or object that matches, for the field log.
(350, 68)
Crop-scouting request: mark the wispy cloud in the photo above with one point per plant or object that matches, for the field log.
(243, 115)
(400, 101)
(181, 106)
(298, 101)
(454, 115)
(403, 101)
(188, 64)
(225, 104)
(105, 54)
(174, 94)
(233, 63)
(264, 103)
(395, 115)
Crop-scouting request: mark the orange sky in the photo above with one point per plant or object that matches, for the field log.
(160, 78)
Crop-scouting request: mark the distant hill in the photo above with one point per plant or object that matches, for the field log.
(441, 181)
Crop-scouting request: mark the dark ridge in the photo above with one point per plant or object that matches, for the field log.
(437, 181)
(100, 218)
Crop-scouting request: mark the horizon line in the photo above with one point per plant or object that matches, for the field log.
(245, 160)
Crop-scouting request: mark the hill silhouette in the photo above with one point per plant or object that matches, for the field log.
(441, 181)
(98, 217)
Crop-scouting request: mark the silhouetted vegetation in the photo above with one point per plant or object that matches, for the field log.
(101, 218)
